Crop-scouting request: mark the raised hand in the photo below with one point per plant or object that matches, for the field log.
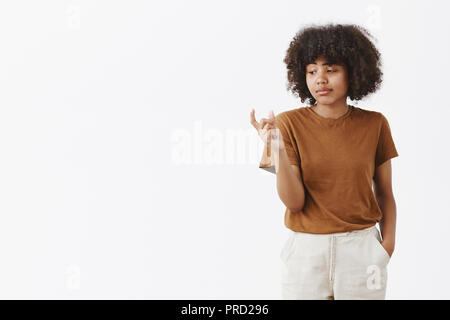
(272, 138)
(267, 127)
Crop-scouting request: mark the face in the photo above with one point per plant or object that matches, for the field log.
(322, 75)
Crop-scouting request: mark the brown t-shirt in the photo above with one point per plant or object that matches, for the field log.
(337, 159)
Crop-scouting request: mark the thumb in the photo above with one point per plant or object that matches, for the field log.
(271, 115)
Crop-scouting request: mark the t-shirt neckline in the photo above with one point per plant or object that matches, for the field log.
(319, 117)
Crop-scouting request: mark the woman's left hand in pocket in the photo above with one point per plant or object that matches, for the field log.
(389, 246)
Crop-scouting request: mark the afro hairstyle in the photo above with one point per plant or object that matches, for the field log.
(347, 45)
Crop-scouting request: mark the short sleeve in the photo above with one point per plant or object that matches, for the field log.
(385, 148)
(288, 138)
(267, 161)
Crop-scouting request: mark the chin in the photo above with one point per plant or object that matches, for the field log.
(325, 98)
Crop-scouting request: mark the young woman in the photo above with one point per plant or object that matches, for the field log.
(333, 168)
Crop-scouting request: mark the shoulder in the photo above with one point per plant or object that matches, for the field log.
(376, 120)
(371, 116)
(291, 119)
(367, 113)
(291, 114)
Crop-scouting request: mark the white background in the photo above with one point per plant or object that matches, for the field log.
(103, 104)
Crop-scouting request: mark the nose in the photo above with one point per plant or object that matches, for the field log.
(321, 79)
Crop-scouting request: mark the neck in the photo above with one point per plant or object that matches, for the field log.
(333, 111)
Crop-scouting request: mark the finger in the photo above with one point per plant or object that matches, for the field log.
(263, 122)
(256, 124)
(268, 126)
(253, 120)
(271, 120)
(271, 115)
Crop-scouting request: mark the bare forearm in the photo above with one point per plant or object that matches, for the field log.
(290, 188)
(388, 222)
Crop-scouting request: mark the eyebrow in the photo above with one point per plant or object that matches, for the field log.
(324, 64)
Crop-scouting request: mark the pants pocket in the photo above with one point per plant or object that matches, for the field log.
(288, 247)
(377, 240)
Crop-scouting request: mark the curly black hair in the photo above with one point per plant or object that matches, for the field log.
(347, 45)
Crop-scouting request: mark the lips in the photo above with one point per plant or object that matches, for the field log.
(323, 91)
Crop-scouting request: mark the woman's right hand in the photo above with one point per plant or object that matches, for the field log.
(267, 127)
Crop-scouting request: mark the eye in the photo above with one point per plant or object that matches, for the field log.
(311, 72)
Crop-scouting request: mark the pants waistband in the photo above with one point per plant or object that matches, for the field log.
(337, 234)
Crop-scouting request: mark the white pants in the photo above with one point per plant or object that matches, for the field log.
(345, 265)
